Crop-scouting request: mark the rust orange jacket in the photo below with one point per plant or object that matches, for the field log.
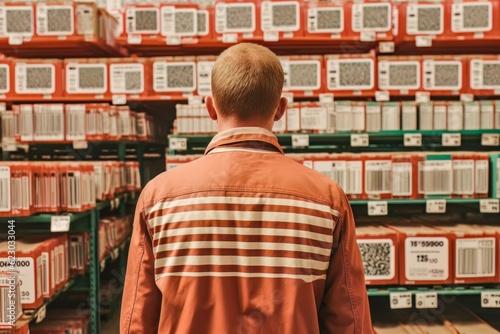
(244, 240)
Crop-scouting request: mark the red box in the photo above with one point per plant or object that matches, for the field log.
(370, 20)
(281, 19)
(48, 122)
(141, 23)
(29, 266)
(325, 21)
(187, 17)
(174, 76)
(380, 252)
(464, 175)
(38, 78)
(350, 74)
(473, 254)
(24, 15)
(400, 76)
(483, 80)
(444, 75)
(378, 176)
(422, 21)
(467, 21)
(76, 122)
(425, 256)
(405, 175)
(86, 78)
(303, 75)
(236, 20)
(130, 77)
(355, 176)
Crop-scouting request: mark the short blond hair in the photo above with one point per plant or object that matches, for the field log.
(247, 82)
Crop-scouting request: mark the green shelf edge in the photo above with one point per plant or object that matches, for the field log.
(455, 291)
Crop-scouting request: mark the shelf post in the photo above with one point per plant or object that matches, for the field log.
(95, 273)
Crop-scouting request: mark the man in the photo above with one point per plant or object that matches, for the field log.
(244, 240)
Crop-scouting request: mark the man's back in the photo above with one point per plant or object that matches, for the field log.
(245, 240)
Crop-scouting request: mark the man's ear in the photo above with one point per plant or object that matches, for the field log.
(282, 105)
(209, 103)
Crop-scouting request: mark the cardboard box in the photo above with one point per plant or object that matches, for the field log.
(425, 255)
(10, 304)
(422, 21)
(350, 74)
(473, 20)
(179, 23)
(370, 20)
(174, 76)
(380, 253)
(473, 253)
(130, 77)
(38, 78)
(141, 23)
(435, 173)
(18, 21)
(444, 75)
(483, 78)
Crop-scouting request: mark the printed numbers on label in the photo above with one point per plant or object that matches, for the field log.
(378, 208)
(435, 206)
(412, 139)
(490, 139)
(300, 140)
(60, 223)
(489, 206)
(452, 139)
(423, 41)
(179, 144)
(40, 315)
(400, 300)
(360, 140)
(490, 299)
(119, 100)
(426, 300)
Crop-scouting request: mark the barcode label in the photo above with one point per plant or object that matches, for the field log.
(126, 78)
(174, 76)
(86, 78)
(49, 122)
(75, 122)
(402, 178)
(378, 258)
(475, 257)
(435, 177)
(463, 177)
(143, 20)
(54, 20)
(235, 18)
(35, 79)
(472, 17)
(179, 22)
(378, 177)
(482, 182)
(354, 178)
(5, 192)
(205, 77)
(313, 118)
(335, 170)
(280, 16)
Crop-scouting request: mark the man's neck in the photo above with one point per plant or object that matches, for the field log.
(230, 124)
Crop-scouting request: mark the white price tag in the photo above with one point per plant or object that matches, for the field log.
(173, 40)
(289, 97)
(271, 36)
(423, 41)
(326, 98)
(179, 144)
(119, 100)
(382, 96)
(421, 97)
(466, 97)
(490, 299)
(386, 47)
(451, 139)
(60, 223)
(400, 300)
(490, 139)
(15, 40)
(9, 147)
(489, 206)
(426, 300)
(412, 140)
(40, 315)
(300, 140)
(134, 39)
(229, 38)
(435, 206)
(378, 208)
(360, 140)
(367, 36)
(80, 144)
(195, 100)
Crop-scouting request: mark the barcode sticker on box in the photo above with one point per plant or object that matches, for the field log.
(475, 257)
(400, 300)
(378, 258)
(451, 139)
(426, 258)
(360, 140)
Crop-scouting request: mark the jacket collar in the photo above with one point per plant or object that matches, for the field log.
(241, 135)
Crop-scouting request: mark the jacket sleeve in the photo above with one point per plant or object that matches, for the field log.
(345, 307)
(141, 301)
